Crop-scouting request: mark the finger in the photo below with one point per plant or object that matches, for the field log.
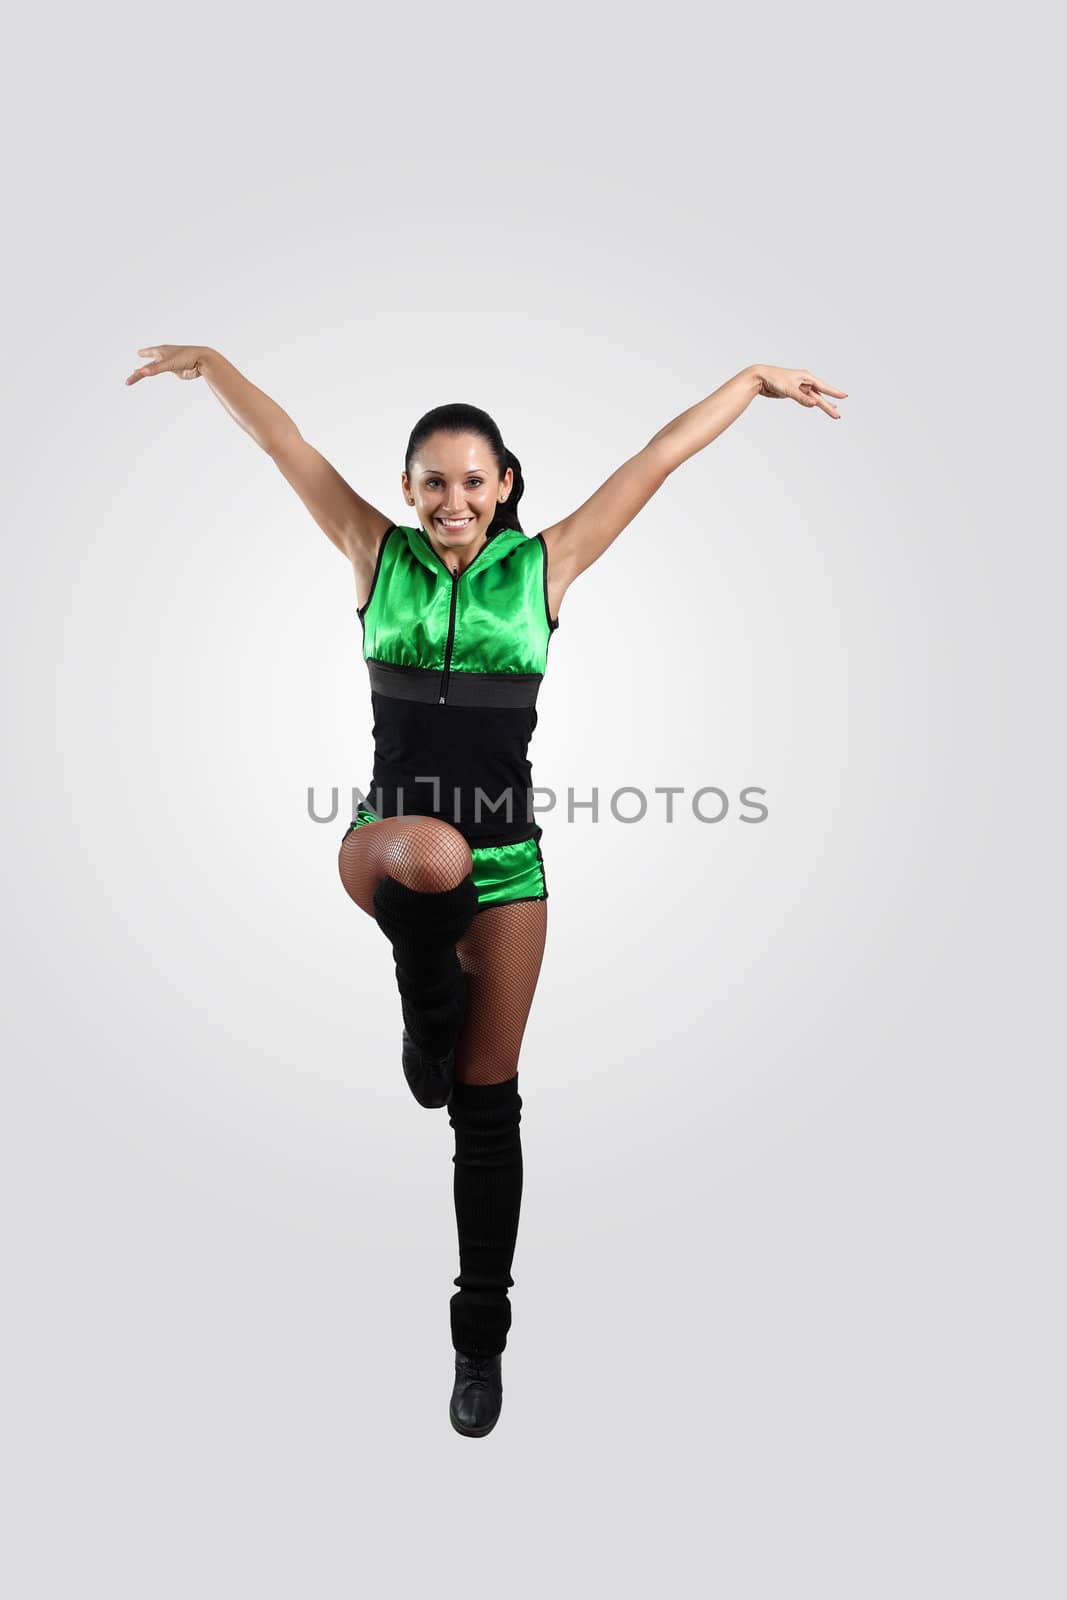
(823, 405)
(143, 372)
(153, 350)
(828, 388)
(812, 390)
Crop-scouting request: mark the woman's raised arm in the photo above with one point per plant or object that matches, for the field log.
(347, 520)
(578, 541)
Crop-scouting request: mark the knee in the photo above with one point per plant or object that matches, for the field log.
(431, 857)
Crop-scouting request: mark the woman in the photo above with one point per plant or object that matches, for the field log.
(457, 611)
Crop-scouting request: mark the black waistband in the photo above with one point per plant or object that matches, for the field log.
(428, 686)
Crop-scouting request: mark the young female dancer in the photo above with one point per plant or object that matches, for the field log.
(457, 609)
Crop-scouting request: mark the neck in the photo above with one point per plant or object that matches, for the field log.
(457, 560)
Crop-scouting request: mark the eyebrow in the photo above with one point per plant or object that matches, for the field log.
(437, 473)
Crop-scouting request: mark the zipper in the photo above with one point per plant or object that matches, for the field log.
(451, 637)
(455, 576)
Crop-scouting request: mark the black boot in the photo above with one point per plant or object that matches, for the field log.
(476, 1395)
(423, 928)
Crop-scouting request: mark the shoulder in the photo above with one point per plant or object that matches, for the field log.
(527, 552)
(399, 543)
(388, 549)
(523, 546)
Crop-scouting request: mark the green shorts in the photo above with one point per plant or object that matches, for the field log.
(502, 873)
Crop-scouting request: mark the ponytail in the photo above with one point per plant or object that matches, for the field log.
(507, 515)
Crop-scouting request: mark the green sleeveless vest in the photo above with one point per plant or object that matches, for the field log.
(477, 639)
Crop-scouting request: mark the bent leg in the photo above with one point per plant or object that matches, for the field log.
(413, 875)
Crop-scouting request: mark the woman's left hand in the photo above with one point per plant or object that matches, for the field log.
(785, 383)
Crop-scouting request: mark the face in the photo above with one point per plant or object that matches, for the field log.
(455, 480)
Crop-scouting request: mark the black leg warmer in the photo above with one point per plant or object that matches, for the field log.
(422, 928)
(488, 1191)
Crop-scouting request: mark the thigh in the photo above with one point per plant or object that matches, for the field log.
(419, 852)
(501, 954)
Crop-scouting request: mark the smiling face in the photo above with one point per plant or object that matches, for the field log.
(456, 487)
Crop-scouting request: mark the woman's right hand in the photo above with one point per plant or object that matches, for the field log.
(182, 359)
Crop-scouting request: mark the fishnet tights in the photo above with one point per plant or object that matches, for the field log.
(501, 952)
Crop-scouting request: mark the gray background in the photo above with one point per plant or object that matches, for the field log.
(784, 1305)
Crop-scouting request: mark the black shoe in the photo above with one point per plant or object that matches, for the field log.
(477, 1395)
(430, 1076)
(430, 1081)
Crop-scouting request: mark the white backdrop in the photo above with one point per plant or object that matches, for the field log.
(783, 1315)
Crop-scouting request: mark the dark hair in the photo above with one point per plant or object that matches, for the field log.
(460, 418)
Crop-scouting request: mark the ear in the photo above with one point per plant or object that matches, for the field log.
(506, 483)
